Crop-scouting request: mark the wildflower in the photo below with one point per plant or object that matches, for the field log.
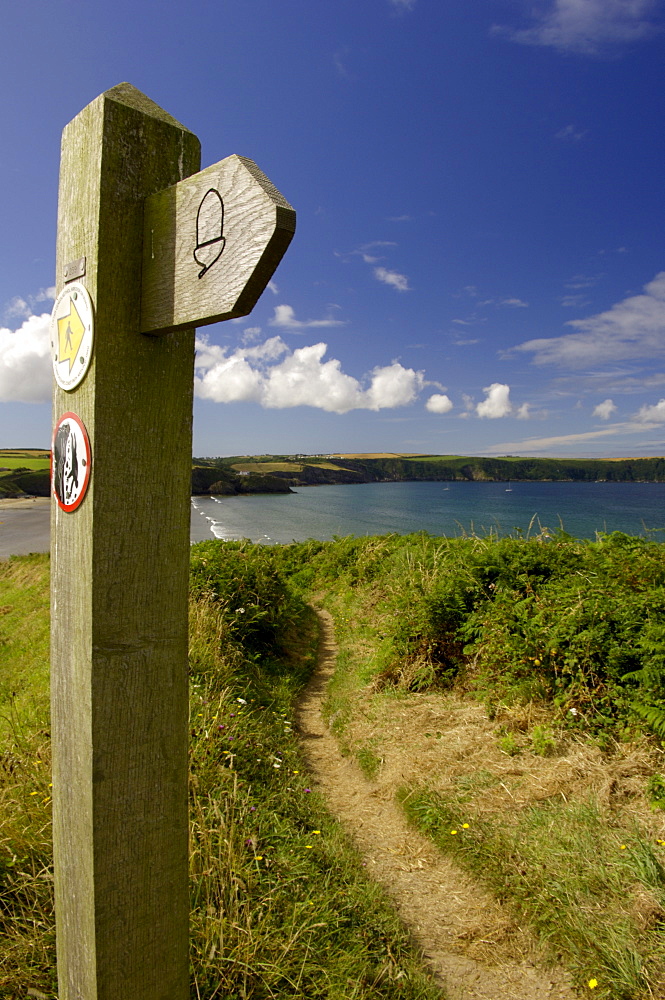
(296, 772)
(259, 857)
(453, 831)
(309, 847)
(308, 789)
(593, 983)
(573, 711)
(241, 611)
(241, 700)
(316, 831)
(465, 826)
(623, 847)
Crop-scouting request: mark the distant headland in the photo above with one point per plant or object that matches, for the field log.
(25, 472)
(279, 473)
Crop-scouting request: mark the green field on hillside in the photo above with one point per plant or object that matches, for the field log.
(30, 458)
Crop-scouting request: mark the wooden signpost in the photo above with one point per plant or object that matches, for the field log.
(144, 248)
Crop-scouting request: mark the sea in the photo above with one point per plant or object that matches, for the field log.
(452, 509)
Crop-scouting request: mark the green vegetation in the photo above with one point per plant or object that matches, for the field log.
(32, 459)
(562, 642)
(309, 470)
(26, 907)
(24, 472)
(568, 633)
(592, 889)
(281, 905)
(578, 625)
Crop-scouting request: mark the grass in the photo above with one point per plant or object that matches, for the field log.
(267, 467)
(281, 904)
(592, 888)
(26, 906)
(541, 631)
(29, 459)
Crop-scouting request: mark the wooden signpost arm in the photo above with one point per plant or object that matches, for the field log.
(119, 581)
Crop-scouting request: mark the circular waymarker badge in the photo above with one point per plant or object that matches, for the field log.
(71, 460)
(72, 332)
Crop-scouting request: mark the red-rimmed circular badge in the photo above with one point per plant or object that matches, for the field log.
(71, 460)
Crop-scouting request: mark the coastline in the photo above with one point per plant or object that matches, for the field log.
(22, 503)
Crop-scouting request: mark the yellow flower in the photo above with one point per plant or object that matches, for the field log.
(623, 847)
(316, 831)
(308, 846)
(465, 826)
(259, 857)
(453, 831)
(593, 983)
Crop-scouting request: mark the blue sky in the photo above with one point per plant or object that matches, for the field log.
(479, 264)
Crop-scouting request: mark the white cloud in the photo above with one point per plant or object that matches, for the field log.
(301, 378)
(496, 403)
(18, 308)
(285, 317)
(539, 446)
(633, 328)
(25, 364)
(605, 409)
(587, 27)
(398, 281)
(439, 403)
(652, 414)
(570, 134)
(251, 333)
(515, 303)
(272, 285)
(403, 5)
(524, 412)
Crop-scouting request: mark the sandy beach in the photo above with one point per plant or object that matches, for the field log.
(24, 526)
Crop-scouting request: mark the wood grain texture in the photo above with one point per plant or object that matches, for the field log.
(119, 582)
(258, 225)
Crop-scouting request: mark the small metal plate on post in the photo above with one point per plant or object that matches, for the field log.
(75, 269)
(72, 334)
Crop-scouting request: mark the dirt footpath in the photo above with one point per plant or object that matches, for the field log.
(475, 950)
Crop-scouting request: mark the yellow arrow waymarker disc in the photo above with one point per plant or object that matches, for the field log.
(72, 332)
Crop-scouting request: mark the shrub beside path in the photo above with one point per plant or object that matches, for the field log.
(475, 949)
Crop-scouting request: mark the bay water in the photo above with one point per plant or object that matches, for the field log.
(452, 509)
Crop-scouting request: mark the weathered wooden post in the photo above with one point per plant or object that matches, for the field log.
(145, 252)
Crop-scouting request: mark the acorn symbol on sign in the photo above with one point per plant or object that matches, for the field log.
(210, 240)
